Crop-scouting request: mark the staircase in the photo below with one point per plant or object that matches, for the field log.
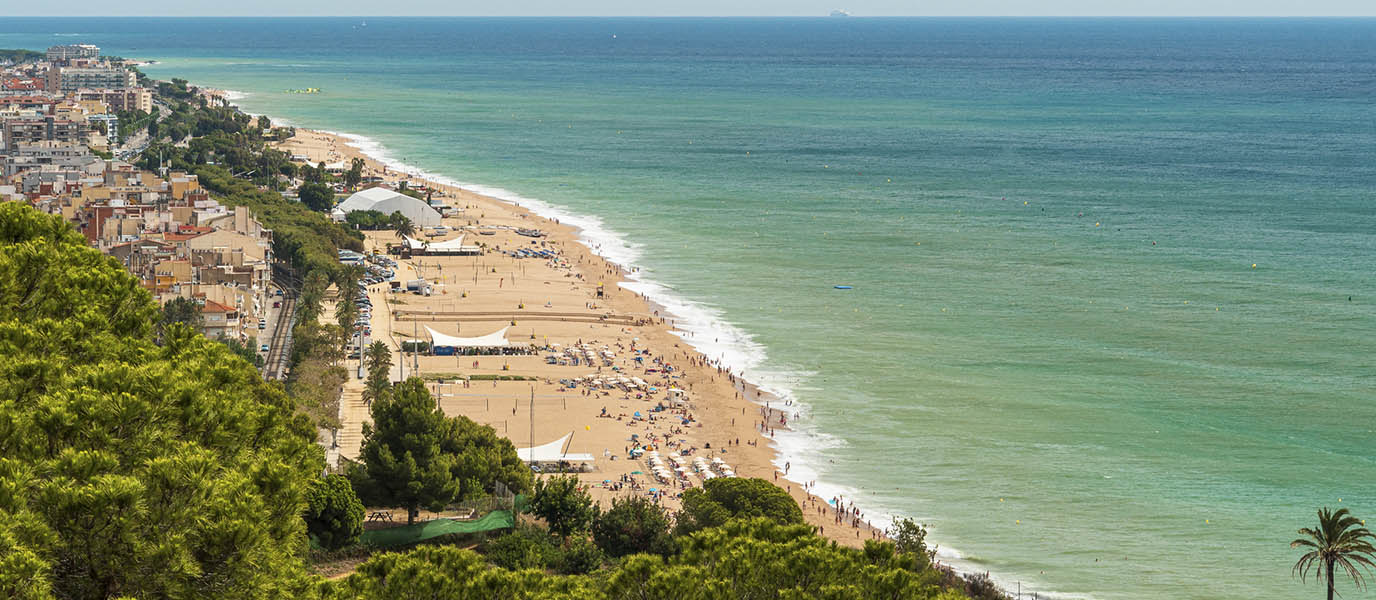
(352, 414)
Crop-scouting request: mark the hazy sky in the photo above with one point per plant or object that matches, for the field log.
(692, 8)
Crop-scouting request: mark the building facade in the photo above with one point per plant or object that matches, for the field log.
(119, 99)
(70, 79)
(43, 129)
(68, 52)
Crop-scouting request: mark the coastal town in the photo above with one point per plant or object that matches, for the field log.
(59, 133)
(507, 318)
(333, 301)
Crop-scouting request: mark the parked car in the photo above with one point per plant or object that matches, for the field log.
(277, 305)
(263, 348)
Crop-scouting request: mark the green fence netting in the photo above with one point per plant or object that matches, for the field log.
(411, 534)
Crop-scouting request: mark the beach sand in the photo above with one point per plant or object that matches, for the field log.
(555, 302)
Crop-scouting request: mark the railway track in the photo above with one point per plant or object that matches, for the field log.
(276, 361)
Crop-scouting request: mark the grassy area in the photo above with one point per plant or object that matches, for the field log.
(457, 376)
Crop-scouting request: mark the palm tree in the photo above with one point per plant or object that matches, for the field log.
(379, 357)
(405, 228)
(1340, 540)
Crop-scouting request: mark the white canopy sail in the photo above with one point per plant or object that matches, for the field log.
(455, 244)
(552, 452)
(496, 339)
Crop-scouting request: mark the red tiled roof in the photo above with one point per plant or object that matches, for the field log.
(213, 306)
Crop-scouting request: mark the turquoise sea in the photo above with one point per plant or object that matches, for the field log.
(1112, 329)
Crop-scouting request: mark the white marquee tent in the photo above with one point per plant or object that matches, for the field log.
(552, 452)
(387, 202)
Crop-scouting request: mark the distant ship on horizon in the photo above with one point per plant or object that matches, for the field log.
(840, 13)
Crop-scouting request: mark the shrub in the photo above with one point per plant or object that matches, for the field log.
(633, 525)
(333, 513)
(317, 196)
(525, 547)
(560, 502)
(727, 498)
(579, 556)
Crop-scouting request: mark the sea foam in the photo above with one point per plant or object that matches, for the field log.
(803, 447)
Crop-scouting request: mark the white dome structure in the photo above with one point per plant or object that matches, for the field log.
(387, 202)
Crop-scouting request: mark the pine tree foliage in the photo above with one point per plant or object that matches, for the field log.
(127, 468)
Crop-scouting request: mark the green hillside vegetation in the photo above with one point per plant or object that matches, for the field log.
(227, 152)
(20, 55)
(745, 559)
(129, 468)
(141, 460)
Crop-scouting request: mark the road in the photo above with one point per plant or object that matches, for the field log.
(137, 143)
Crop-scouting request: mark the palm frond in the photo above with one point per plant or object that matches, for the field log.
(1339, 541)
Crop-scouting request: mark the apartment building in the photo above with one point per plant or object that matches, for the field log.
(70, 79)
(69, 52)
(121, 99)
(47, 128)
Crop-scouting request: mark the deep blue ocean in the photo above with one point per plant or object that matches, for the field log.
(1112, 329)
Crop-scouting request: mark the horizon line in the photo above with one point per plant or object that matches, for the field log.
(473, 16)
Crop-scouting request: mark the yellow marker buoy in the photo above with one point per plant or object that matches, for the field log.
(1019, 521)
(888, 181)
(1096, 223)
(1254, 265)
(1206, 521)
(1024, 203)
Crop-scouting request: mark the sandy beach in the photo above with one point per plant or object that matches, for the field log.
(555, 304)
